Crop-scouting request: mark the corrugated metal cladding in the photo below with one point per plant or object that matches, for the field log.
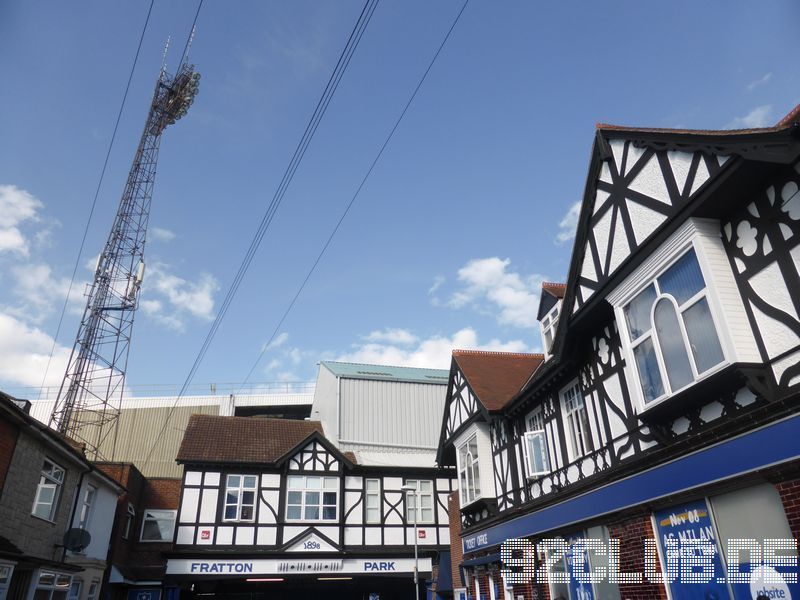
(390, 412)
(137, 432)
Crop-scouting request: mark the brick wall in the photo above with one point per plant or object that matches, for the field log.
(33, 535)
(140, 558)
(456, 550)
(8, 440)
(632, 529)
(790, 496)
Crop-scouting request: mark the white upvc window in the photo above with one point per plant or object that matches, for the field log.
(424, 489)
(94, 590)
(312, 498)
(158, 525)
(6, 571)
(372, 501)
(548, 326)
(671, 330)
(240, 498)
(75, 590)
(576, 422)
(52, 585)
(469, 476)
(87, 504)
(48, 491)
(537, 458)
(130, 519)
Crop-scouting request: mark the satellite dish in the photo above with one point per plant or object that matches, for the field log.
(76, 539)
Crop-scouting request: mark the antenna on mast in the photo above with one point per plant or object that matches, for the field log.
(164, 57)
(189, 43)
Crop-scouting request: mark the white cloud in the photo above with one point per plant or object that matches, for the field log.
(16, 207)
(179, 297)
(568, 224)
(433, 352)
(40, 290)
(510, 296)
(758, 117)
(279, 341)
(162, 235)
(24, 352)
(438, 281)
(759, 82)
(392, 336)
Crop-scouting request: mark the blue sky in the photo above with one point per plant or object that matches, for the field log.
(470, 208)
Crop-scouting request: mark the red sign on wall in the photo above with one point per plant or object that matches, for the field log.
(205, 534)
(421, 534)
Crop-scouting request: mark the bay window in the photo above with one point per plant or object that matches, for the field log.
(52, 585)
(312, 498)
(469, 471)
(240, 498)
(671, 331)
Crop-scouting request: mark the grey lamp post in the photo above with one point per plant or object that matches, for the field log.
(408, 488)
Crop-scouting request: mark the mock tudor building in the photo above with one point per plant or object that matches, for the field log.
(666, 404)
(273, 507)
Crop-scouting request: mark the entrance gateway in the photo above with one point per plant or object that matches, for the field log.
(278, 566)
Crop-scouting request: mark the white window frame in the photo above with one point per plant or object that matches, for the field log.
(65, 584)
(468, 469)
(694, 234)
(240, 489)
(304, 490)
(534, 423)
(430, 495)
(49, 480)
(573, 425)
(548, 325)
(150, 515)
(94, 590)
(87, 506)
(7, 571)
(130, 520)
(78, 584)
(376, 494)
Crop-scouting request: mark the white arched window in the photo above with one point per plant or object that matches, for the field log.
(673, 337)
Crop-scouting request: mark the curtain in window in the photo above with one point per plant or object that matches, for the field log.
(683, 279)
(702, 334)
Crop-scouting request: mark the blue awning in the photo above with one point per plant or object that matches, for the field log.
(769, 445)
(482, 560)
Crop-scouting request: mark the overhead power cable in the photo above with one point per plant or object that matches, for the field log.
(96, 195)
(322, 105)
(353, 199)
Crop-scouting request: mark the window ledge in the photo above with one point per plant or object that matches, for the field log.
(725, 379)
(51, 522)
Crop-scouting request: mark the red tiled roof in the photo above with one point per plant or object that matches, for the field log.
(212, 439)
(496, 377)
(791, 118)
(555, 289)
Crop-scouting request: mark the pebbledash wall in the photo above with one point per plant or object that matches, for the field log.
(666, 402)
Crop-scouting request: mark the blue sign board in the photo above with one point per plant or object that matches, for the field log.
(678, 528)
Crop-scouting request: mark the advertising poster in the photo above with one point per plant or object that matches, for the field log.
(578, 590)
(685, 523)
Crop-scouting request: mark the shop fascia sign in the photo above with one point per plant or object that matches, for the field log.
(292, 566)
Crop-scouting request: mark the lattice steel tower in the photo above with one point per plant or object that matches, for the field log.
(90, 395)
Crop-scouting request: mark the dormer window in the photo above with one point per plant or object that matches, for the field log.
(548, 325)
(673, 338)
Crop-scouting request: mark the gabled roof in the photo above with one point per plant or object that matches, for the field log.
(778, 144)
(386, 373)
(238, 440)
(496, 377)
(550, 291)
